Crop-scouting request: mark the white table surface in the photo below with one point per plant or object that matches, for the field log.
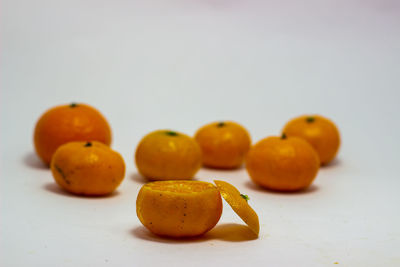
(180, 64)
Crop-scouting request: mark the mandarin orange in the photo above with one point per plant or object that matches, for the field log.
(224, 144)
(179, 208)
(282, 163)
(319, 131)
(168, 155)
(87, 168)
(66, 123)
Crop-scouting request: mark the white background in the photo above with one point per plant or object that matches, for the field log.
(180, 64)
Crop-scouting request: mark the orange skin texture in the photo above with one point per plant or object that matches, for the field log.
(168, 155)
(66, 123)
(320, 132)
(289, 164)
(179, 208)
(224, 145)
(84, 169)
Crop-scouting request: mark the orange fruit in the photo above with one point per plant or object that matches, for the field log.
(239, 204)
(223, 144)
(282, 163)
(87, 168)
(320, 132)
(168, 155)
(66, 123)
(179, 208)
(189, 208)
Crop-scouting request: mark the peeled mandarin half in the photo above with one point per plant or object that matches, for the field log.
(179, 208)
(239, 204)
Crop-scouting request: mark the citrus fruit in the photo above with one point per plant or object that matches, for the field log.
(224, 144)
(179, 208)
(87, 168)
(282, 163)
(168, 155)
(239, 204)
(320, 132)
(66, 123)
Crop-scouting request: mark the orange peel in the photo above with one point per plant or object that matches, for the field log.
(239, 204)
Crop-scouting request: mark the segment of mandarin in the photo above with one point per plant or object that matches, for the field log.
(239, 204)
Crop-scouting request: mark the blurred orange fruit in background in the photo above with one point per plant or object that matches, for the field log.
(320, 132)
(168, 155)
(66, 123)
(282, 163)
(224, 144)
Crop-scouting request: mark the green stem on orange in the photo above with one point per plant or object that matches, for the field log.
(171, 133)
(283, 136)
(246, 197)
(88, 144)
(310, 119)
